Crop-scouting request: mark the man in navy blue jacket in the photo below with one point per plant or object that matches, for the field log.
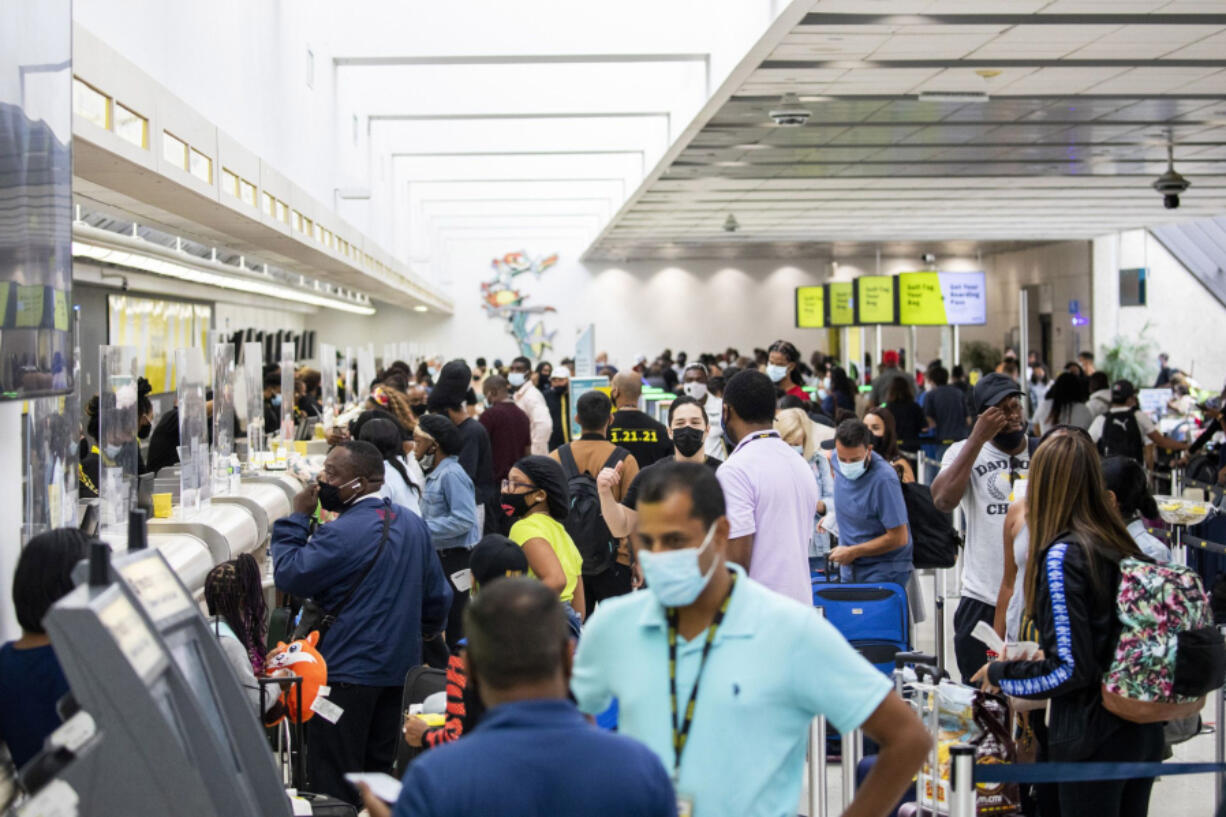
(532, 753)
(377, 635)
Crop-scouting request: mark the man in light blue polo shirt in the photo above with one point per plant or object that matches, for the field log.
(874, 536)
(752, 668)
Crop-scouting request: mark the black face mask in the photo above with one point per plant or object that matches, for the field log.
(514, 505)
(729, 440)
(144, 431)
(561, 389)
(1009, 440)
(418, 409)
(878, 443)
(330, 497)
(687, 440)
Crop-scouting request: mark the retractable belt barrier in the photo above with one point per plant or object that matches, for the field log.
(1077, 772)
(965, 774)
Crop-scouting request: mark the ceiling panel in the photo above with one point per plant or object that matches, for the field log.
(1054, 151)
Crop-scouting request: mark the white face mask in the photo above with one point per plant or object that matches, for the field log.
(516, 379)
(776, 373)
(696, 390)
(853, 470)
(674, 576)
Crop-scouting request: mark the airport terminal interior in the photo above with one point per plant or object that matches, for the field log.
(711, 408)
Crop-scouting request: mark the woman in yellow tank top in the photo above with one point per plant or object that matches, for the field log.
(535, 497)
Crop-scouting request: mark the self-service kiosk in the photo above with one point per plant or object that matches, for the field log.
(167, 608)
(173, 731)
(155, 750)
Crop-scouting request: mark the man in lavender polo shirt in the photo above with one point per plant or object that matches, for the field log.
(769, 490)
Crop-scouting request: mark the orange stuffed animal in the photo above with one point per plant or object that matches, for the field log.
(302, 659)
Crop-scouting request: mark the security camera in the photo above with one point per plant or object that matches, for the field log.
(1170, 184)
(731, 225)
(790, 112)
(928, 258)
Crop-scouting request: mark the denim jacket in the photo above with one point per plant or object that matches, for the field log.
(450, 506)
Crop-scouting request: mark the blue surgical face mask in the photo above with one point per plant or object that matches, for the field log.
(776, 373)
(853, 470)
(799, 449)
(675, 576)
(112, 451)
(516, 379)
(276, 401)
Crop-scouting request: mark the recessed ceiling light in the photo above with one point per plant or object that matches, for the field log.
(753, 147)
(732, 164)
(421, 308)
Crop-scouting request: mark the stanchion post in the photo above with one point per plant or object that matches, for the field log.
(962, 780)
(1219, 743)
(938, 592)
(817, 768)
(850, 741)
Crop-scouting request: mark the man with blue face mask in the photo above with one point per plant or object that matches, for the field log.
(874, 538)
(720, 676)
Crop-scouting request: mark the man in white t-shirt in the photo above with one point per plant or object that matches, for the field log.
(979, 473)
(1128, 436)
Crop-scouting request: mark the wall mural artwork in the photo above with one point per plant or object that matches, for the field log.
(502, 299)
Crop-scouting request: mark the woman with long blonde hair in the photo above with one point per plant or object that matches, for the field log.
(1077, 540)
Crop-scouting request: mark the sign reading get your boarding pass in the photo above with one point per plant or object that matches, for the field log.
(942, 299)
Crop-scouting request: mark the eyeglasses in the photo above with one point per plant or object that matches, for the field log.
(508, 485)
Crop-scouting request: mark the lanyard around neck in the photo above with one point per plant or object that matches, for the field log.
(681, 732)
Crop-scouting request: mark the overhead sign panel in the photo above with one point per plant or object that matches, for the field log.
(874, 299)
(941, 299)
(811, 307)
(841, 296)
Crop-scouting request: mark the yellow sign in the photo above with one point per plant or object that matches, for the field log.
(810, 307)
(842, 311)
(61, 310)
(874, 299)
(29, 305)
(5, 288)
(919, 299)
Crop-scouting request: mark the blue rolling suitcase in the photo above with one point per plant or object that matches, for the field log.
(872, 617)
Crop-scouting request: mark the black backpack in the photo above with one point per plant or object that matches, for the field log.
(935, 542)
(1121, 436)
(584, 523)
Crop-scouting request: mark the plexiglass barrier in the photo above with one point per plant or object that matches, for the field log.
(253, 381)
(288, 396)
(327, 381)
(366, 371)
(119, 457)
(195, 466)
(347, 377)
(223, 416)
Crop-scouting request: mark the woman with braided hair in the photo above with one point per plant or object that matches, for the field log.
(234, 594)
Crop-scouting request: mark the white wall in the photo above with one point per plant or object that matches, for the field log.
(695, 305)
(1184, 319)
(243, 66)
(233, 317)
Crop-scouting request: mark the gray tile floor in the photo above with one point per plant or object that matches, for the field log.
(1181, 796)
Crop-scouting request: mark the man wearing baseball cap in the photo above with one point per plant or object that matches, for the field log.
(980, 473)
(1125, 430)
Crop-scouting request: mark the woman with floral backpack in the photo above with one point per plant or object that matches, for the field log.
(1077, 540)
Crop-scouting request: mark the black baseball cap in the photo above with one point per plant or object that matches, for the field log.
(1121, 391)
(496, 556)
(993, 388)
